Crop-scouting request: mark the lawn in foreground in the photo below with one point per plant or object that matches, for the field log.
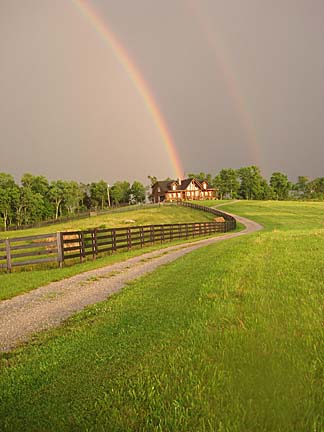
(227, 338)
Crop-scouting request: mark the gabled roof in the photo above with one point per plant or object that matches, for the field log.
(184, 184)
(164, 185)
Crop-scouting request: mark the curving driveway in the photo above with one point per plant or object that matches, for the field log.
(48, 306)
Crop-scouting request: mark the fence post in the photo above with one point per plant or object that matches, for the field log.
(129, 239)
(142, 236)
(60, 252)
(113, 240)
(152, 234)
(94, 243)
(81, 245)
(8, 255)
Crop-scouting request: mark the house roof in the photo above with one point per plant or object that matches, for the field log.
(184, 184)
(165, 185)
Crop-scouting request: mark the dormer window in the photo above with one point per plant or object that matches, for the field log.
(174, 187)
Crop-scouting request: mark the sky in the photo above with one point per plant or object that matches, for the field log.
(85, 87)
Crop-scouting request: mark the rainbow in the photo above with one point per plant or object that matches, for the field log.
(101, 27)
(223, 63)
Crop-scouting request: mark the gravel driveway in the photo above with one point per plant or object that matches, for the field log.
(48, 306)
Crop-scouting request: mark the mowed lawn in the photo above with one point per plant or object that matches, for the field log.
(227, 338)
(24, 279)
(141, 216)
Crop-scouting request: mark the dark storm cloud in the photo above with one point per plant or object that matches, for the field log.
(238, 83)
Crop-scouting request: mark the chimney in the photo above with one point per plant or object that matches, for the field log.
(179, 181)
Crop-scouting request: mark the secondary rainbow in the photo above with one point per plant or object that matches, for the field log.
(214, 40)
(133, 73)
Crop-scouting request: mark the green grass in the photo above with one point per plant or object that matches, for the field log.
(24, 279)
(227, 338)
(213, 203)
(145, 216)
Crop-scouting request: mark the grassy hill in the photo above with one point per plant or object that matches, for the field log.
(227, 338)
(140, 216)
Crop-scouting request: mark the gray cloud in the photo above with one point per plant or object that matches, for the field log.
(237, 82)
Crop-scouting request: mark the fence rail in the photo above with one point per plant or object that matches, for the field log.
(230, 221)
(63, 246)
(80, 244)
(23, 251)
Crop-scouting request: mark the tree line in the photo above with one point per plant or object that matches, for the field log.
(37, 199)
(248, 183)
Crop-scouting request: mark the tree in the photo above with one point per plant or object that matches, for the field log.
(39, 185)
(266, 191)
(8, 194)
(98, 193)
(316, 188)
(251, 182)
(72, 195)
(152, 179)
(280, 185)
(120, 192)
(201, 177)
(85, 200)
(56, 194)
(28, 206)
(227, 182)
(137, 192)
(302, 186)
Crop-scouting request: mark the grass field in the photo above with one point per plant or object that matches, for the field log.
(144, 216)
(227, 338)
(24, 279)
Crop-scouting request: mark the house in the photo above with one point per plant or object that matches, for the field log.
(181, 190)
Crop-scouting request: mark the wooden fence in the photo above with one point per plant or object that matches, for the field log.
(230, 221)
(22, 251)
(63, 246)
(80, 244)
